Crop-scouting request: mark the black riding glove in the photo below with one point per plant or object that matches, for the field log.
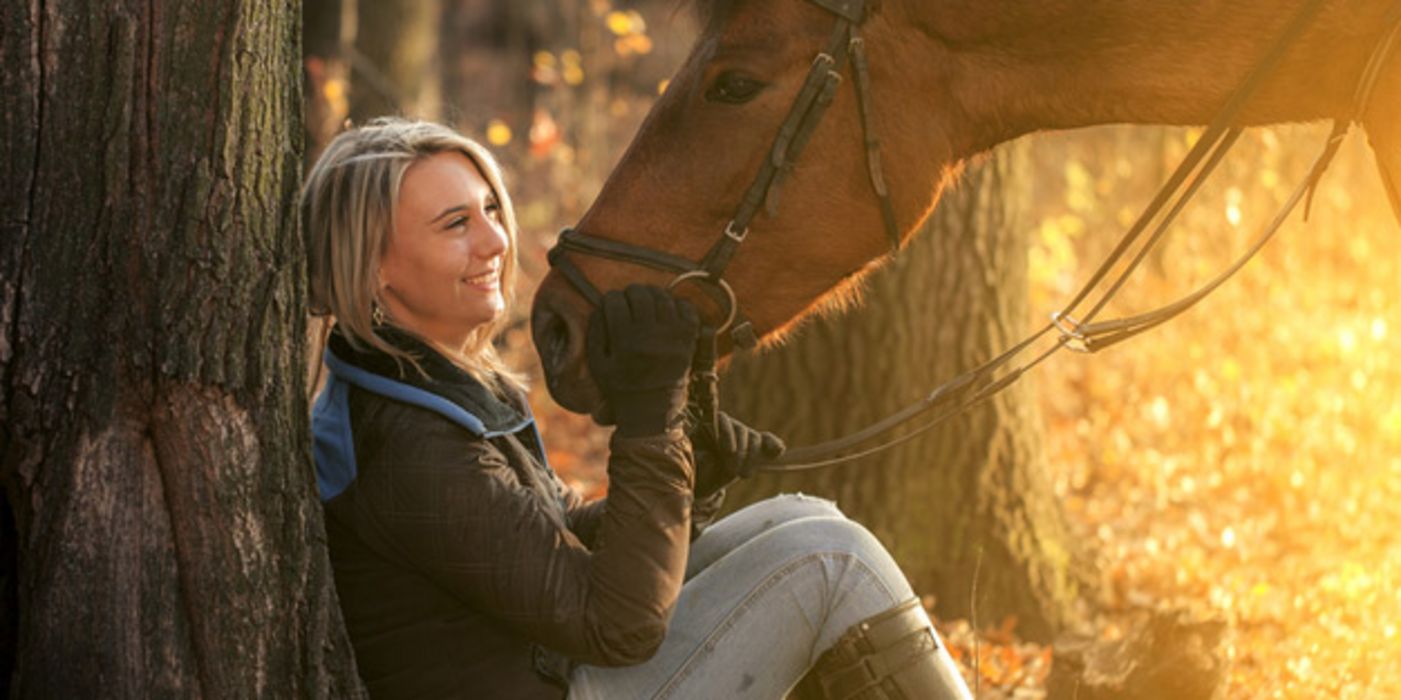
(734, 454)
(640, 345)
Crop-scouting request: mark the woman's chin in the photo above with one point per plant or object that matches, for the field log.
(497, 308)
(490, 312)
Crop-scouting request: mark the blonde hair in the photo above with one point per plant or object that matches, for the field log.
(347, 208)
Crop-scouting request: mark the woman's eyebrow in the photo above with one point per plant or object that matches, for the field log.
(449, 210)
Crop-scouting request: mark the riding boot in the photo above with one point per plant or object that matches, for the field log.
(892, 656)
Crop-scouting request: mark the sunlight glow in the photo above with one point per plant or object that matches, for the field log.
(1248, 454)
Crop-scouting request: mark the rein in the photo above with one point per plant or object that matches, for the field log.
(1083, 334)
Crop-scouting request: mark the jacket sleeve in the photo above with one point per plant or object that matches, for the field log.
(705, 512)
(451, 507)
(584, 517)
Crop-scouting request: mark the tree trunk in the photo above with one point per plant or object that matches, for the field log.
(966, 508)
(155, 447)
(487, 57)
(328, 42)
(395, 66)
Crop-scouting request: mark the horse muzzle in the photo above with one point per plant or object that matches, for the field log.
(558, 324)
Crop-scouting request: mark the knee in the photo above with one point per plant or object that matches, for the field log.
(832, 535)
(795, 506)
(843, 545)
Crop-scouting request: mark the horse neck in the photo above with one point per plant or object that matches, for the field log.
(1012, 67)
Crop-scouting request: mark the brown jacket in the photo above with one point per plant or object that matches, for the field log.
(464, 565)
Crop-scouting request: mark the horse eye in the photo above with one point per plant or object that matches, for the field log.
(733, 88)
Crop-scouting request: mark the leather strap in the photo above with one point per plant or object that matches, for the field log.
(891, 656)
(853, 11)
(862, 74)
(741, 333)
(807, 108)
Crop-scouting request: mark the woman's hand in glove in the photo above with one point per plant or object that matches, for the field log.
(735, 453)
(640, 345)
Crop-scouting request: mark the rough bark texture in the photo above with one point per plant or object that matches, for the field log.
(965, 508)
(155, 437)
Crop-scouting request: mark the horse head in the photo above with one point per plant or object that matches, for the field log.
(947, 80)
(680, 182)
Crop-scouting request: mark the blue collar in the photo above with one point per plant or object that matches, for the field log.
(447, 390)
(400, 391)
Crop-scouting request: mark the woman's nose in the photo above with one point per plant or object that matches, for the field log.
(492, 240)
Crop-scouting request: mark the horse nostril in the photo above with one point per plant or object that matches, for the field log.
(551, 339)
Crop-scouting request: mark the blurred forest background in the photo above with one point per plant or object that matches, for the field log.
(1237, 471)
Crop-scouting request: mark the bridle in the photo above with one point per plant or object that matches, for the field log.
(814, 97)
(808, 108)
(1082, 334)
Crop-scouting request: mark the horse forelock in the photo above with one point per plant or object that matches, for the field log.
(709, 12)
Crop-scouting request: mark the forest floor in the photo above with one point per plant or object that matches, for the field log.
(1242, 462)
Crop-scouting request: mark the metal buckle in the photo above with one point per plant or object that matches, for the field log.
(824, 58)
(730, 233)
(724, 286)
(1072, 332)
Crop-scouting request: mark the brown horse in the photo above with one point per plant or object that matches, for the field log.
(949, 79)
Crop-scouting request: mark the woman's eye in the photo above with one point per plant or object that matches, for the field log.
(733, 88)
(459, 221)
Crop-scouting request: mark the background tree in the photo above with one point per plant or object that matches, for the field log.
(966, 508)
(328, 43)
(155, 440)
(395, 64)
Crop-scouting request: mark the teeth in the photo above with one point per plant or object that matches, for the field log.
(482, 278)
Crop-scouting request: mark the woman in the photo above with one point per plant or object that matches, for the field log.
(464, 566)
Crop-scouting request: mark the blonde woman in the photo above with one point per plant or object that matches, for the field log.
(465, 567)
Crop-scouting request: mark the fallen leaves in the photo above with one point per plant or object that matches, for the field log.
(1246, 457)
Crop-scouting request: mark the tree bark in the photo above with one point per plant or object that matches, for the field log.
(155, 446)
(965, 508)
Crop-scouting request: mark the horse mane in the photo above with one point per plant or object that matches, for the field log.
(848, 294)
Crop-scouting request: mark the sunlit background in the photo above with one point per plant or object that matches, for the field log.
(1245, 458)
(1243, 461)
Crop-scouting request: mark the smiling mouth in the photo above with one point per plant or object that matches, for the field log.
(483, 279)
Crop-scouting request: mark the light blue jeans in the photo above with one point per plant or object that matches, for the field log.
(767, 590)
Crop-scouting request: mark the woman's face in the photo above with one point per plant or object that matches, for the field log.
(441, 275)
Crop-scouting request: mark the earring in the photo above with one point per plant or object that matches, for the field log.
(377, 314)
